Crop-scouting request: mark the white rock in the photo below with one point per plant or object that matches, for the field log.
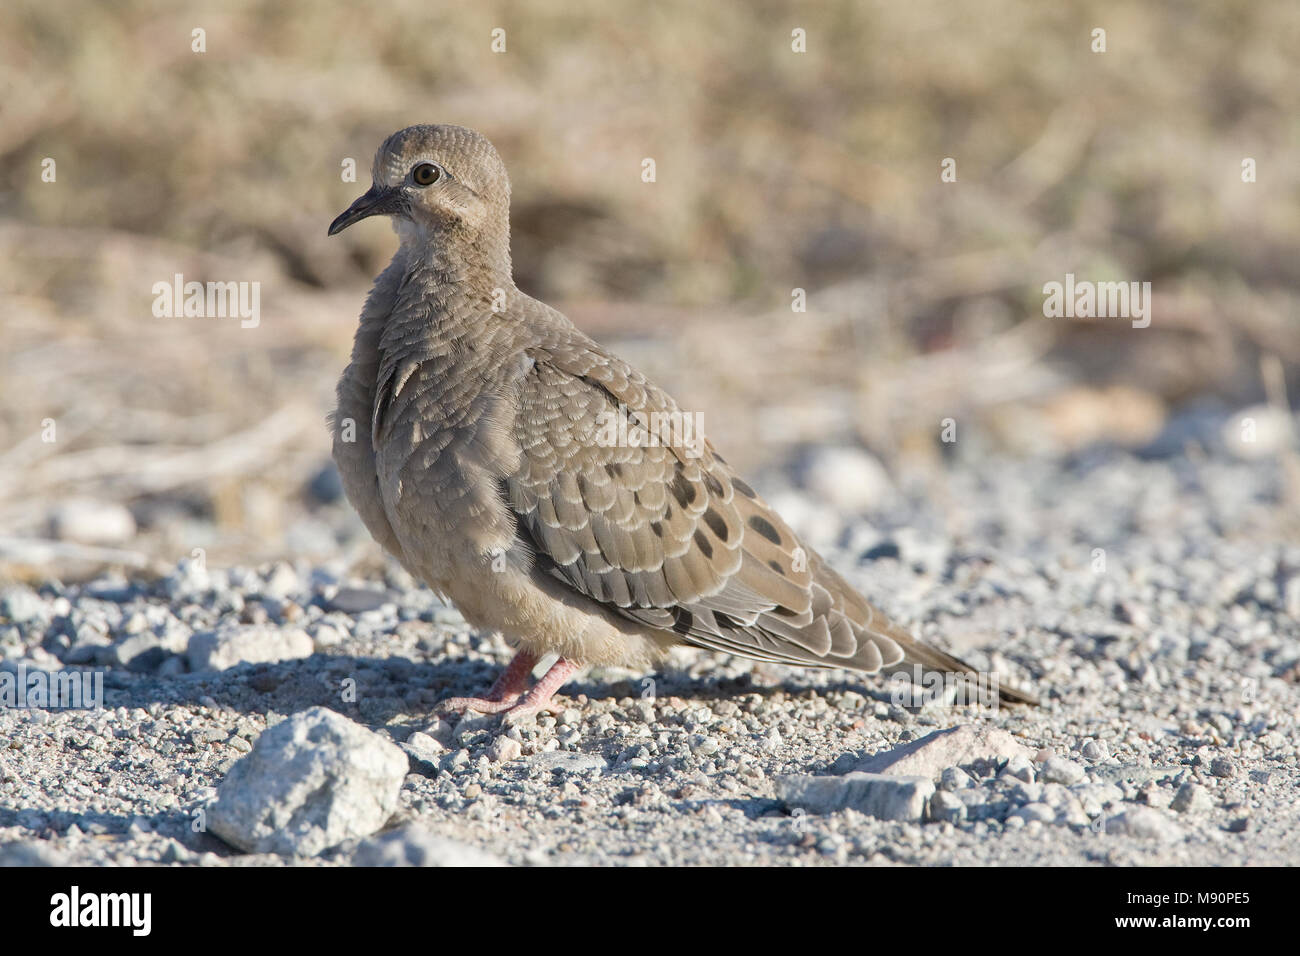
(1145, 823)
(952, 747)
(947, 807)
(883, 796)
(22, 605)
(812, 521)
(1259, 431)
(703, 745)
(281, 581)
(954, 778)
(504, 749)
(247, 644)
(327, 635)
(1020, 768)
(357, 600)
(92, 522)
(1094, 750)
(567, 762)
(845, 478)
(1035, 811)
(30, 853)
(311, 782)
(441, 730)
(1192, 798)
(1060, 770)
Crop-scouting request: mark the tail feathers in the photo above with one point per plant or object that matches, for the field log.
(931, 660)
(885, 645)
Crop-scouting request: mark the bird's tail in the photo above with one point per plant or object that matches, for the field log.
(929, 662)
(926, 664)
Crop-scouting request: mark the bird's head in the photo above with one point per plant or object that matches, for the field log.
(437, 182)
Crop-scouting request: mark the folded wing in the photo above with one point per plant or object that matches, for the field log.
(617, 498)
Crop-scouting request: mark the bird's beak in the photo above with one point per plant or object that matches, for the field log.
(377, 201)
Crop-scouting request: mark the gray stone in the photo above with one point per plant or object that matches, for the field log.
(1019, 768)
(441, 730)
(190, 579)
(139, 652)
(27, 853)
(326, 485)
(415, 846)
(281, 581)
(247, 644)
(471, 725)
(1145, 823)
(1060, 770)
(883, 796)
(311, 782)
(566, 762)
(703, 746)
(1094, 750)
(947, 807)
(1023, 793)
(1035, 811)
(504, 749)
(1128, 773)
(1223, 767)
(1192, 798)
(425, 753)
(954, 746)
(954, 778)
(357, 600)
(22, 605)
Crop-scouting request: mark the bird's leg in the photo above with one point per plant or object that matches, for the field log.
(503, 694)
(539, 698)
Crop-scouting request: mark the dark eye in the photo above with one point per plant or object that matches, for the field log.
(426, 174)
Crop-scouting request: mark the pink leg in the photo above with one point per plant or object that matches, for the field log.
(503, 694)
(539, 698)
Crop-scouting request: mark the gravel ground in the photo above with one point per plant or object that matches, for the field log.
(1150, 600)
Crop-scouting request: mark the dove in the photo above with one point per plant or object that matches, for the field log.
(543, 485)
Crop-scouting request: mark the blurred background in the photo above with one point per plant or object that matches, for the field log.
(775, 170)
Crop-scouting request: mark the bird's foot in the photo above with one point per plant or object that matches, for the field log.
(526, 710)
(503, 695)
(539, 698)
(481, 705)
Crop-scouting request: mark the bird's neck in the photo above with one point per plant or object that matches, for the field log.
(450, 289)
(456, 258)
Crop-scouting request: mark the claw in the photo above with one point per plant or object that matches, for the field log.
(482, 705)
(504, 697)
(524, 711)
(503, 694)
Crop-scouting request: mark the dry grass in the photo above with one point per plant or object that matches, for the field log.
(775, 171)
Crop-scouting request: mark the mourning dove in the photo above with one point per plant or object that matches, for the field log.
(477, 435)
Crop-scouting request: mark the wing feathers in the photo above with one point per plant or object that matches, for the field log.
(673, 540)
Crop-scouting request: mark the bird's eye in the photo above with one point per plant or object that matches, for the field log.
(425, 174)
